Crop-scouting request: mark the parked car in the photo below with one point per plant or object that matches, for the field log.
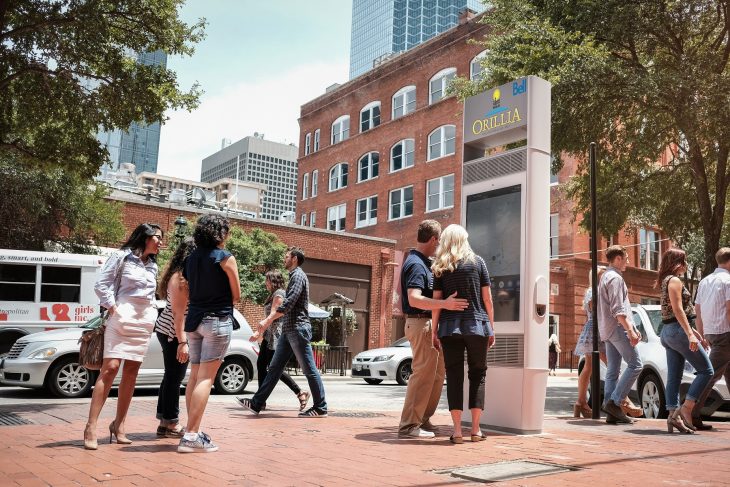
(389, 363)
(650, 386)
(49, 359)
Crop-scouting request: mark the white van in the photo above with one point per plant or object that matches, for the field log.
(45, 290)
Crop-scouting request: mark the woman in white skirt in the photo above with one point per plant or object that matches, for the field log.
(126, 287)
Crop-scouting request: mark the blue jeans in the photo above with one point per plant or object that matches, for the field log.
(619, 347)
(676, 343)
(297, 344)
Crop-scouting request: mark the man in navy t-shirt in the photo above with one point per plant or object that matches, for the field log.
(427, 377)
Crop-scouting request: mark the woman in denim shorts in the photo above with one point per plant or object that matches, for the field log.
(214, 286)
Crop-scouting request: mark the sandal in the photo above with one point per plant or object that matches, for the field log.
(161, 431)
(303, 398)
(457, 440)
(177, 432)
(479, 437)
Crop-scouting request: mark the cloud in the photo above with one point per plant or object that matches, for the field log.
(270, 105)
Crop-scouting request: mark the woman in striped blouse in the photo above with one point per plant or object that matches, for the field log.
(173, 288)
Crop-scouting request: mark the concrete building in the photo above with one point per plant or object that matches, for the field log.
(253, 159)
(401, 162)
(384, 28)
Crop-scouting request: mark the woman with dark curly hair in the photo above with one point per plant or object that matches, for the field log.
(214, 286)
(173, 288)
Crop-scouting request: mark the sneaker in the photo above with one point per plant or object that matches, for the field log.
(313, 413)
(416, 433)
(201, 444)
(247, 404)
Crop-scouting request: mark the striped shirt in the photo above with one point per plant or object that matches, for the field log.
(165, 323)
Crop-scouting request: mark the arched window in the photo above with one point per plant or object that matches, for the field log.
(315, 177)
(340, 129)
(402, 155)
(442, 142)
(307, 144)
(338, 176)
(370, 116)
(367, 167)
(439, 83)
(305, 185)
(316, 141)
(476, 71)
(404, 101)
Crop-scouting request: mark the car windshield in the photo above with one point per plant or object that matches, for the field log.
(401, 342)
(94, 322)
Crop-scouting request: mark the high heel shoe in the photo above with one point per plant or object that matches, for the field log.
(113, 432)
(583, 409)
(686, 419)
(674, 421)
(89, 443)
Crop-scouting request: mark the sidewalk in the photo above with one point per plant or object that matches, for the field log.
(348, 448)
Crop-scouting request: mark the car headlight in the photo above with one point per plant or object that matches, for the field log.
(382, 358)
(43, 353)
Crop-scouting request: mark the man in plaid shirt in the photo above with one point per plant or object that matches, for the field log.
(295, 340)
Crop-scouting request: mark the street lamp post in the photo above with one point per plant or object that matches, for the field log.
(180, 225)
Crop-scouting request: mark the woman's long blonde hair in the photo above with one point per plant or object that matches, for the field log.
(453, 248)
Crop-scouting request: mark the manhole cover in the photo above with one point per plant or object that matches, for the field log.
(357, 415)
(516, 469)
(12, 419)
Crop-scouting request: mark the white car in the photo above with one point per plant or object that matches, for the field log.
(49, 359)
(389, 363)
(650, 386)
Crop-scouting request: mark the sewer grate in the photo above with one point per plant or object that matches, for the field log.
(357, 415)
(12, 419)
(501, 471)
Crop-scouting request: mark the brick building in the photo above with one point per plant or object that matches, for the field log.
(383, 151)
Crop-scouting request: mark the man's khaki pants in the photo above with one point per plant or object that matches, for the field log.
(427, 379)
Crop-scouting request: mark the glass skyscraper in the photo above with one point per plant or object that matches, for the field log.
(140, 143)
(384, 27)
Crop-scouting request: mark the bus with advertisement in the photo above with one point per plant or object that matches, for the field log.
(45, 290)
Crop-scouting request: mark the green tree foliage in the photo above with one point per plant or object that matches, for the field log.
(67, 69)
(41, 206)
(256, 253)
(642, 79)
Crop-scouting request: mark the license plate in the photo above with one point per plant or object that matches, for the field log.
(357, 367)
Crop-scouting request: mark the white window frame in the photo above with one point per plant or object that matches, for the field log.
(341, 133)
(441, 143)
(316, 140)
(401, 203)
(303, 219)
(441, 192)
(554, 236)
(340, 218)
(403, 94)
(338, 178)
(371, 206)
(312, 219)
(649, 259)
(404, 155)
(307, 143)
(440, 81)
(315, 183)
(373, 167)
(372, 120)
(305, 185)
(476, 62)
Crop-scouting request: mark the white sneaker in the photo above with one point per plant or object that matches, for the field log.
(417, 433)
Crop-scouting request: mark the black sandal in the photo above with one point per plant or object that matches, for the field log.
(303, 399)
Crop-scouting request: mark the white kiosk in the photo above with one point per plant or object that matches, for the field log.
(505, 203)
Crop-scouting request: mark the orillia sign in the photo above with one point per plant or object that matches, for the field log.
(497, 110)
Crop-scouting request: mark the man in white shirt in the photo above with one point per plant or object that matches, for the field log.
(712, 305)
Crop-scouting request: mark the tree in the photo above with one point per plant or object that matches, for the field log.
(57, 206)
(256, 252)
(649, 82)
(66, 72)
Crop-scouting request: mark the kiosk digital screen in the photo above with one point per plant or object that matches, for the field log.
(494, 223)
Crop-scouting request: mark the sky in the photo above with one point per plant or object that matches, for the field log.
(260, 61)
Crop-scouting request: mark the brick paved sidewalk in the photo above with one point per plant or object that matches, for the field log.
(348, 448)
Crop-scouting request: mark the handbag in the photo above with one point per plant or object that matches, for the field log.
(91, 350)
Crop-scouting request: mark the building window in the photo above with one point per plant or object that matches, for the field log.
(315, 177)
(338, 176)
(336, 217)
(370, 116)
(307, 144)
(316, 140)
(648, 249)
(312, 219)
(367, 167)
(401, 203)
(442, 142)
(439, 84)
(404, 101)
(554, 236)
(367, 212)
(401, 155)
(340, 129)
(553, 175)
(303, 220)
(305, 186)
(476, 71)
(440, 193)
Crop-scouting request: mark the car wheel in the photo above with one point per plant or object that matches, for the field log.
(373, 382)
(403, 373)
(232, 376)
(651, 394)
(67, 378)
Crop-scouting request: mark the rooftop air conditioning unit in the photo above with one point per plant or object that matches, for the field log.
(178, 196)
